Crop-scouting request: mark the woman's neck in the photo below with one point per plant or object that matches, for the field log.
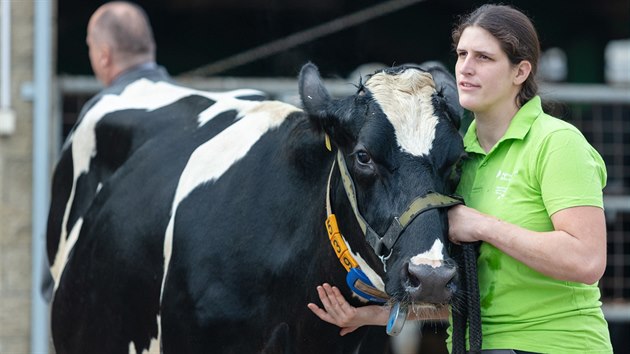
(491, 126)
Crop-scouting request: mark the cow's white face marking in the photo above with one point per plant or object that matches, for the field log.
(433, 257)
(406, 100)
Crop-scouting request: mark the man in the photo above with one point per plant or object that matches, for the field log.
(120, 42)
(121, 51)
(121, 47)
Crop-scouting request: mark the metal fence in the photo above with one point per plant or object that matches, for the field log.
(601, 112)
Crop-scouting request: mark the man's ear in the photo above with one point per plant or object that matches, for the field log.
(523, 69)
(105, 56)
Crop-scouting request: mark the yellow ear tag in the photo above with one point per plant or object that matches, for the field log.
(328, 146)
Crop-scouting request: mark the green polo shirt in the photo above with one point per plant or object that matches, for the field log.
(541, 165)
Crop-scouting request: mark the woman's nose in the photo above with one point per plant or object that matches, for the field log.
(465, 66)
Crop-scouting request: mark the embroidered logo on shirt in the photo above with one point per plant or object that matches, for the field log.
(504, 179)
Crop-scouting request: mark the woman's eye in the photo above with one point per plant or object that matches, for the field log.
(363, 157)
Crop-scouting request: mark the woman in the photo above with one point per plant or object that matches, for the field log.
(533, 189)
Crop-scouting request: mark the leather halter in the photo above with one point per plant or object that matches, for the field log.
(382, 245)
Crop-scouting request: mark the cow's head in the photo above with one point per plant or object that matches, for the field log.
(398, 136)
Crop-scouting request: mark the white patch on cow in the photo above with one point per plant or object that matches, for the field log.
(406, 100)
(141, 94)
(408, 341)
(84, 144)
(226, 101)
(155, 345)
(62, 254)
(376, 280)
(211, 159)
(433, 257)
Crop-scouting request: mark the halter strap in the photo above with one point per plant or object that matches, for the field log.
(383, 245)
(356, 278)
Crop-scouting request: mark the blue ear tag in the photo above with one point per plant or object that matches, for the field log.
(355, 274)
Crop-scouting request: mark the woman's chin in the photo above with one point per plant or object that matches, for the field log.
(468, 103)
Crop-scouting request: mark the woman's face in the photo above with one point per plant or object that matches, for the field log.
(485, 76)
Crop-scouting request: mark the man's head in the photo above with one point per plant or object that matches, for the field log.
(119, 36)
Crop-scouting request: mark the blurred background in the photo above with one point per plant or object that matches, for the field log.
(45, 78)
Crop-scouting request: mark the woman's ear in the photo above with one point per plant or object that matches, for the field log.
(523, 69)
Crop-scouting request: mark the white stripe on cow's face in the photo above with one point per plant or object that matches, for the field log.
(406, 100)
(433, 257)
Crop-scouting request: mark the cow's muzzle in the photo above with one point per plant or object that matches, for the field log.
(428, 284)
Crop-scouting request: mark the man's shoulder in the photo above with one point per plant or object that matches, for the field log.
(149, 72)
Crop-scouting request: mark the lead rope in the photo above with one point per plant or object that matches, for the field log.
(471, 313)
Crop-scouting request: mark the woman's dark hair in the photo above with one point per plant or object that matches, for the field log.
(516, 35)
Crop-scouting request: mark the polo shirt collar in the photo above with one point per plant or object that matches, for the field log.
(519, 126)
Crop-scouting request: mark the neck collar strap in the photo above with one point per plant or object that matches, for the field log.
(356, 279)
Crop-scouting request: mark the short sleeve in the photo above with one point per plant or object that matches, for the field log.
(570, 171)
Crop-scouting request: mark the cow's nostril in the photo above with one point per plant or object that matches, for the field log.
(413, 279)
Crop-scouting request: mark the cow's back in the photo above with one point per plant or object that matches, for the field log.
(216, 190)
(111, 214)
(247, 249)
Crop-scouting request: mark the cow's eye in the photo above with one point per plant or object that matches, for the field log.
(363, 157)
(363, 163)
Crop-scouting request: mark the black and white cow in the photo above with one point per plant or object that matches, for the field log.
(185, 221)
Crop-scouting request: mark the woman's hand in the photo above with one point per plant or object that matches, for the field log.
(339, 312)
(465, 224)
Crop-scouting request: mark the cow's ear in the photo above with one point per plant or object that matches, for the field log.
(323, 111)
(315, 97)
(446, 88)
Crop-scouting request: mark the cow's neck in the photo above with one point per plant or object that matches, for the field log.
(356, 279)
